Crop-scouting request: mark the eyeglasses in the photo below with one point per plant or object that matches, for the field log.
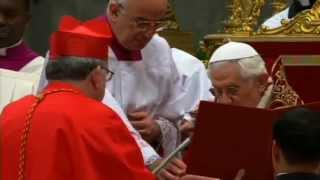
(212, 91)
(229, 92)
(109, 74)
(144, 24)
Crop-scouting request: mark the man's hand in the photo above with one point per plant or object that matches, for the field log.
(196, 177)
(173, 171)
(186, 128)
(240, 174)
(145, 125)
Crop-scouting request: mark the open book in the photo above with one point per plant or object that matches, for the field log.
(15, 85)
(229, 138)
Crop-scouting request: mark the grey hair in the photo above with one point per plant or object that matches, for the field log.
(123, 2)
(71, 68)
(250, 67)
(120, 1)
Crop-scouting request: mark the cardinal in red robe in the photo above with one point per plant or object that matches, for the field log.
(66, 133)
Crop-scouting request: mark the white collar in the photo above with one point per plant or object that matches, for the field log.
(3, 51)
(265, 99)
(280, 174)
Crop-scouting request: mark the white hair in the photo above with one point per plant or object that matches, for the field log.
(250, 67)
(118, 1)
(123, 2)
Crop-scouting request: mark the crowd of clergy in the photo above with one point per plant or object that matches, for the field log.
(111, 99)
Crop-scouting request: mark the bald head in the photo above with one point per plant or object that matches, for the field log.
(155, 7)
(126, 1)
(134, 22)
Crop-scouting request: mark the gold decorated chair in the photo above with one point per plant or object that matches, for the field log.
(173, 33)
(283, 94)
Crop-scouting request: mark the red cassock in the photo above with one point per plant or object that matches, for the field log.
(72, 137)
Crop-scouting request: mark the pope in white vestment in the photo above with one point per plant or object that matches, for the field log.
(240, 78)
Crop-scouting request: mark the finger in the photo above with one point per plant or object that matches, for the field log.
(196, 177)
(146, 118)
(175, 170)
(240, 174)
(143, 132)
(167, 175)
(138, 115)
(183, 123)
(179, 163)
(139, 125)
(183, 127)
(187, 126)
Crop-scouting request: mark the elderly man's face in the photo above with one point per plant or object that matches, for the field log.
(135, 22)
(13, 19)
(231, 88)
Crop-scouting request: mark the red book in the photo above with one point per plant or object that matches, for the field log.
(229, 138)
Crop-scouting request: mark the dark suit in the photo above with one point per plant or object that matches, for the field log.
(296, 8)
(298, 176)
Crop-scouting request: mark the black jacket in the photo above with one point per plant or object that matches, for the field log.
(298, 176)
(296, 7)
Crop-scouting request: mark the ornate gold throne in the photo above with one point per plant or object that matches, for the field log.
(173, 33)
(242, 24)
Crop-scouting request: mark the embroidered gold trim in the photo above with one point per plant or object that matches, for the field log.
(26, 130)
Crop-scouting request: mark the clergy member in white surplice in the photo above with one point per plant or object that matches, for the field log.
(289, 13)
(196, 86)
(146, 82)
(20, 67)
(14, 85)
(144, 85)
